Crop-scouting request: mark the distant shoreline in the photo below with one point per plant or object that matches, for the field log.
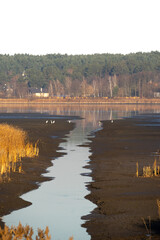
(78, 100)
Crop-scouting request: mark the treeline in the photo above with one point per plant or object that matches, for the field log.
(98, 75)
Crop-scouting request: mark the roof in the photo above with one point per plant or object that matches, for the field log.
(38, 90)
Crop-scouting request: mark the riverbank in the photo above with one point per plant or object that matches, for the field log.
(80, 100)
(122, 198)
(49, 137)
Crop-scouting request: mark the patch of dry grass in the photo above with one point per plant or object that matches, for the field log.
(21, 232)
(149, 171)
(14, 145)
(26, 232)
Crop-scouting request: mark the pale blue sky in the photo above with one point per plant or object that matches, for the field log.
(79, 26)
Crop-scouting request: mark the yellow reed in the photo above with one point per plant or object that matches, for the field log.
(24, 232)
(13, 146)
(137, 173)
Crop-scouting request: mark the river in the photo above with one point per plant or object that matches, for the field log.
(60, 203)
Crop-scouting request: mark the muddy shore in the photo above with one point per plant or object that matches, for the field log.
(29, 179)
(122, 198)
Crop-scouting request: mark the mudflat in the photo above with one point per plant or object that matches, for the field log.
(122, 198)
(49, 137)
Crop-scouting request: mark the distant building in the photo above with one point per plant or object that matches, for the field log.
(40, 93)
(157, 94)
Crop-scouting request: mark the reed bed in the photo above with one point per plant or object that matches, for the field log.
(149, 171)
(26, 232)
(14, 145)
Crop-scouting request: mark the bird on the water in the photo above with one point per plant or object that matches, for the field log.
(53, 121)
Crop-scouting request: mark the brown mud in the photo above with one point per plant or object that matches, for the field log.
(19, 183)
(122, 198)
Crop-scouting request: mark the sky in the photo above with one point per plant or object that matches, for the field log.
(42, 27)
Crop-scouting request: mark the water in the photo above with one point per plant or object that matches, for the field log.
(60, 203)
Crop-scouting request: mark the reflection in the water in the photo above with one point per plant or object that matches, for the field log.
(13, 147)
(90, 112)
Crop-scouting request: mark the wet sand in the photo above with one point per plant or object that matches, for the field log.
(121, 197)
(30, 178)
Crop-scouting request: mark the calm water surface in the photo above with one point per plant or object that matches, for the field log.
(60, 203)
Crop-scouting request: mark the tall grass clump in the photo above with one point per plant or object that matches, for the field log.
(25, 233)
(21, 232)
(149, 171)
(14, 145)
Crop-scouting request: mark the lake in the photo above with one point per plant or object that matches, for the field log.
(60, 203)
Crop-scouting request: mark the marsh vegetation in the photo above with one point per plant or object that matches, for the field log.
(21, 232)
(14, 145)
(149, 171)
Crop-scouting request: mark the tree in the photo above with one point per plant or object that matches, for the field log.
(50, 88)
(22, 90)
(58, 88)
(68, 85)
(134, 74)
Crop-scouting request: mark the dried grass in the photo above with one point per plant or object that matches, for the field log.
(20, 232)
(137, 172)
(148, 227)
(14, 145)
(149, 171)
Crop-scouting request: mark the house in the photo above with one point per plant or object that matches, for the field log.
(40, 93)
(157, 94)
